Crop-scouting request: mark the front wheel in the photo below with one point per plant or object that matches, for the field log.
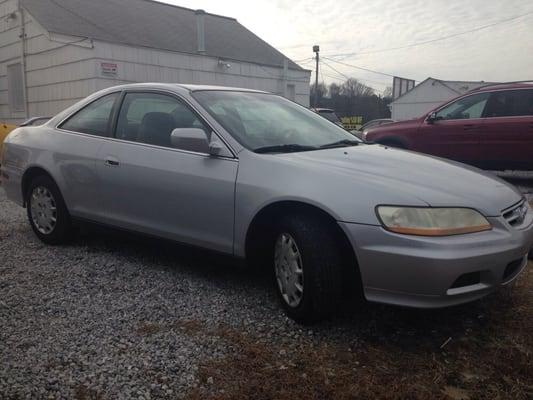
(47, 213)
(308, 268)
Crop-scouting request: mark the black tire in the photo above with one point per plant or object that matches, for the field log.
(62, 231)
(530, 254)
(321, 264)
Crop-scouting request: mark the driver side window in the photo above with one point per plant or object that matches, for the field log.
(151, 117)
(469, 107)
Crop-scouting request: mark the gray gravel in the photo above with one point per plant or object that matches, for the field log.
(115, 316)
(106, 315)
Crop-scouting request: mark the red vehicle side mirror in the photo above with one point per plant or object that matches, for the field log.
(431, 118)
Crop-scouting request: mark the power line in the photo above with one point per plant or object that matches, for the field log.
(304, 59)
(347, 77)
(361, 68)
(502, 21)
(334, 69)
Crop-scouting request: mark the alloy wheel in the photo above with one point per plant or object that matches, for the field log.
(289, 269)
(43, 210)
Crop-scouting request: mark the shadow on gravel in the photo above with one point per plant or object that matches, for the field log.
(478, 350)
(161, 253)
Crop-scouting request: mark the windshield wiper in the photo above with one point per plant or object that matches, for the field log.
(341, 143)
(284, 148)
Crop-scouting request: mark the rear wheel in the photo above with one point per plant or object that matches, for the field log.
(47, 213)
(308, 268)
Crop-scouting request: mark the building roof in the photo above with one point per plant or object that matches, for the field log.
(457, 87)
(149, 23)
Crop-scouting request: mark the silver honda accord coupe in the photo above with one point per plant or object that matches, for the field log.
(257, 176)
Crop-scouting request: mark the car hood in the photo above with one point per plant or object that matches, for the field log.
(409, 123)
(433, 181)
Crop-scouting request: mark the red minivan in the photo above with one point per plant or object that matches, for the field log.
(490, 127)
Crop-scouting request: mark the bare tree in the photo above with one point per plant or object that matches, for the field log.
(322, 93)
(353, 88)
(387, 92)
(334, 90)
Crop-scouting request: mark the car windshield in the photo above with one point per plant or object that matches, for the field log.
(268, 123)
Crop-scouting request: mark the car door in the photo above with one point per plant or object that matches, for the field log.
(151, 187)
(454, 131)
(507, 140)
(79, 139)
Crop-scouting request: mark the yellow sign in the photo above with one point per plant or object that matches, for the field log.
(352, 122)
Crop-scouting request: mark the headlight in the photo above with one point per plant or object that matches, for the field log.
(425, 221)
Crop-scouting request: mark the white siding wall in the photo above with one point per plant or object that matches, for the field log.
(149, 65)
(10, 51)
(57, 74)
(423, 98)
(60, 70)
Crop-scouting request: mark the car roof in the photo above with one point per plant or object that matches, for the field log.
(505, 85)
(178, 86)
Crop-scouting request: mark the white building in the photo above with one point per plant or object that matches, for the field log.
(55, 52)
(427, 95)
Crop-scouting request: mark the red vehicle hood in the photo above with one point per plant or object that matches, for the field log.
(399, 125)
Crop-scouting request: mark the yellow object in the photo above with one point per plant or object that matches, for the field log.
(4, 130)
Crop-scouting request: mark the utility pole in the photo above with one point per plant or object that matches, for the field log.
(316, 49)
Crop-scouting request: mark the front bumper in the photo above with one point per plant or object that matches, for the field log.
(426, 272)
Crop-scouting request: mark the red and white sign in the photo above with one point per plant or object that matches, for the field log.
(108, 69)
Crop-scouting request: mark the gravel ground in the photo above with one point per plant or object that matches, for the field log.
(111, 314)
(118, 316)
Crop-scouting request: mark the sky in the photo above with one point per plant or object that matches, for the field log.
(362, 33)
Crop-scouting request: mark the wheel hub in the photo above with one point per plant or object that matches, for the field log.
(289, 269)
(43, 210)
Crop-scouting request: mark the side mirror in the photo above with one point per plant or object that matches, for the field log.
(195, 139)
(431, 118)
(191, 139)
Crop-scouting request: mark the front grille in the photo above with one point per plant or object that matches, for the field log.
(516, 214)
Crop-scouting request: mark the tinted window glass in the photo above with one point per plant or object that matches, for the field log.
(468, 107)
(512, 103)
(94, 118)
(151, 117)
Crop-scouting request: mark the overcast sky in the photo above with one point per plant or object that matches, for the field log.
(355, 32)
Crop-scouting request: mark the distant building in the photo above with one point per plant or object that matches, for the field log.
(55, 52)
(427, 95)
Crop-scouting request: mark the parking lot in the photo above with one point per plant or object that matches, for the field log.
(119, 316)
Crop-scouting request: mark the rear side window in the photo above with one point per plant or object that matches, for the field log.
(510, 103)
(94, 119)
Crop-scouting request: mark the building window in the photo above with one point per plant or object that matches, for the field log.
(15, 87)
(291, 92)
